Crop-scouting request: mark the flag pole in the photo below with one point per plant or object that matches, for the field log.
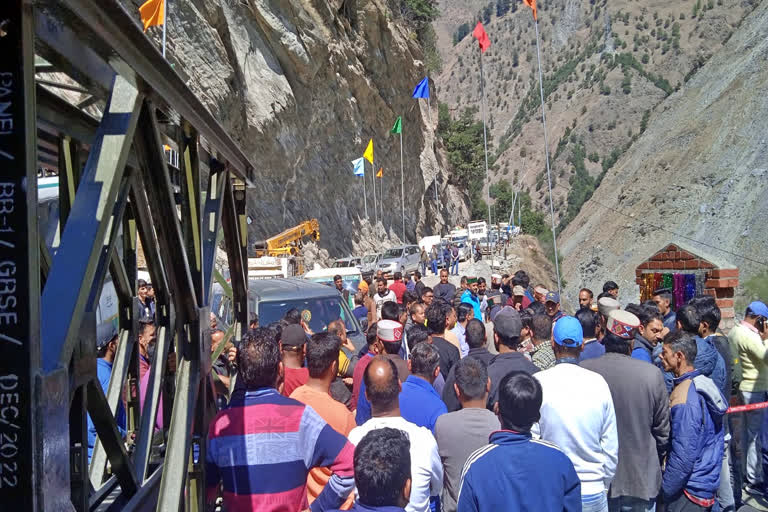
(375, 199)
(485, 146)
(402, 179)
(546, 152)
(365, 194)
(165, 22)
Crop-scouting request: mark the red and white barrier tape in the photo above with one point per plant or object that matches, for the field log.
(748, 407)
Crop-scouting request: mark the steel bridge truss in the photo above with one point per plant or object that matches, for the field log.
(115, 189)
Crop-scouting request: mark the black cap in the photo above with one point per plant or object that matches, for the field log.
(104, 334)
(662, 291)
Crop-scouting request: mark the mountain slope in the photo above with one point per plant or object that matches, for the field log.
(606, 65)
(699, 170)
(303, 85)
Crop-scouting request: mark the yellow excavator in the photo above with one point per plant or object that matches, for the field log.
(288, 244)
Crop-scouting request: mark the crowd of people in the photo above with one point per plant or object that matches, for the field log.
(487, 398)
(492, 398)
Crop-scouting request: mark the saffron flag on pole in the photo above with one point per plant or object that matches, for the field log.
(482, 37)
(380, 173)
(368, 155)
(398, 127)
(532, 5)
(359, 167)
(152, 13)
(422, 90)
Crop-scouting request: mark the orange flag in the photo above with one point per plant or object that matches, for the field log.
(532, 5)
(152, 13)
(380, 173)
(482, 37)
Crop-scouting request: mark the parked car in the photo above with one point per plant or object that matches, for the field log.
(370, 263)
(351, 276)
(403, 259)
(271, 299)
(347, 262)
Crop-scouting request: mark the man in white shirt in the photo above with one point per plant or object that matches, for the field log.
(578, 416)
(382, 295)
(382, 389)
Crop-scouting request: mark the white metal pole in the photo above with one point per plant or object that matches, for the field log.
(546, 152)
(165, 22)
(485, 146)
(375, 199)
(365, 195)
(402, 178)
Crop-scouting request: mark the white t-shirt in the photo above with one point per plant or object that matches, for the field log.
(426, 467)
(379, 301)
(577, 415)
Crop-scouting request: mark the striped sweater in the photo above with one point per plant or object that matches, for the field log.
(263, 446)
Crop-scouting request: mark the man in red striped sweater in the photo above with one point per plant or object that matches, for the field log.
(263, 446)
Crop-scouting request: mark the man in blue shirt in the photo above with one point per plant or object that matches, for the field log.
(419, 402)
(106, 345)
(470, 297)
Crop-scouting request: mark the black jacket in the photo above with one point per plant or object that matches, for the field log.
(449, 354)
(449, 394)
(732, 380)
(503, 364)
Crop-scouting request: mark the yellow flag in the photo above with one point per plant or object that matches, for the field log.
(368, 155)
(380, 173)
(152, 13)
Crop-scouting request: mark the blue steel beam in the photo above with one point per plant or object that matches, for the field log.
(74, 265)
(160, 193)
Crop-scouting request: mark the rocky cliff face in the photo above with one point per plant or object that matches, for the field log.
(607, 64)
(699, 171)
(302, 85)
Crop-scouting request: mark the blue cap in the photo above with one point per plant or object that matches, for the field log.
(552, 297)
(568, 332)
(759, 308)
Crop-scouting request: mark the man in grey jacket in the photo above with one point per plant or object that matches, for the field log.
(642, 416)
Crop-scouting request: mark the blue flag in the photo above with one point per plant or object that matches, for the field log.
(359, 167)
(422, 90)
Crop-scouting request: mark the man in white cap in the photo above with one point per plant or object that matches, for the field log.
(604, 306)
(383, 384)
(389, 338)
(641, 404)
(577, 415)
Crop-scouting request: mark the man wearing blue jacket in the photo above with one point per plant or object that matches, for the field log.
(708, 360)
(516, 473)
(697, 408)
(471, 298)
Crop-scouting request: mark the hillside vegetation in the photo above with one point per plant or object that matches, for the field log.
(606, 66)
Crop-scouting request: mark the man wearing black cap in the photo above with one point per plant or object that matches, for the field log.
(106, 346)
(292, 348)
(506, 338)
(552, 303)
(663, 298)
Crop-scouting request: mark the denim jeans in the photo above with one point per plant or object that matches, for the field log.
(754, 424)
(455, 268)
(434, 267)
(724, 501)
(630, 504)
(594, 502)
